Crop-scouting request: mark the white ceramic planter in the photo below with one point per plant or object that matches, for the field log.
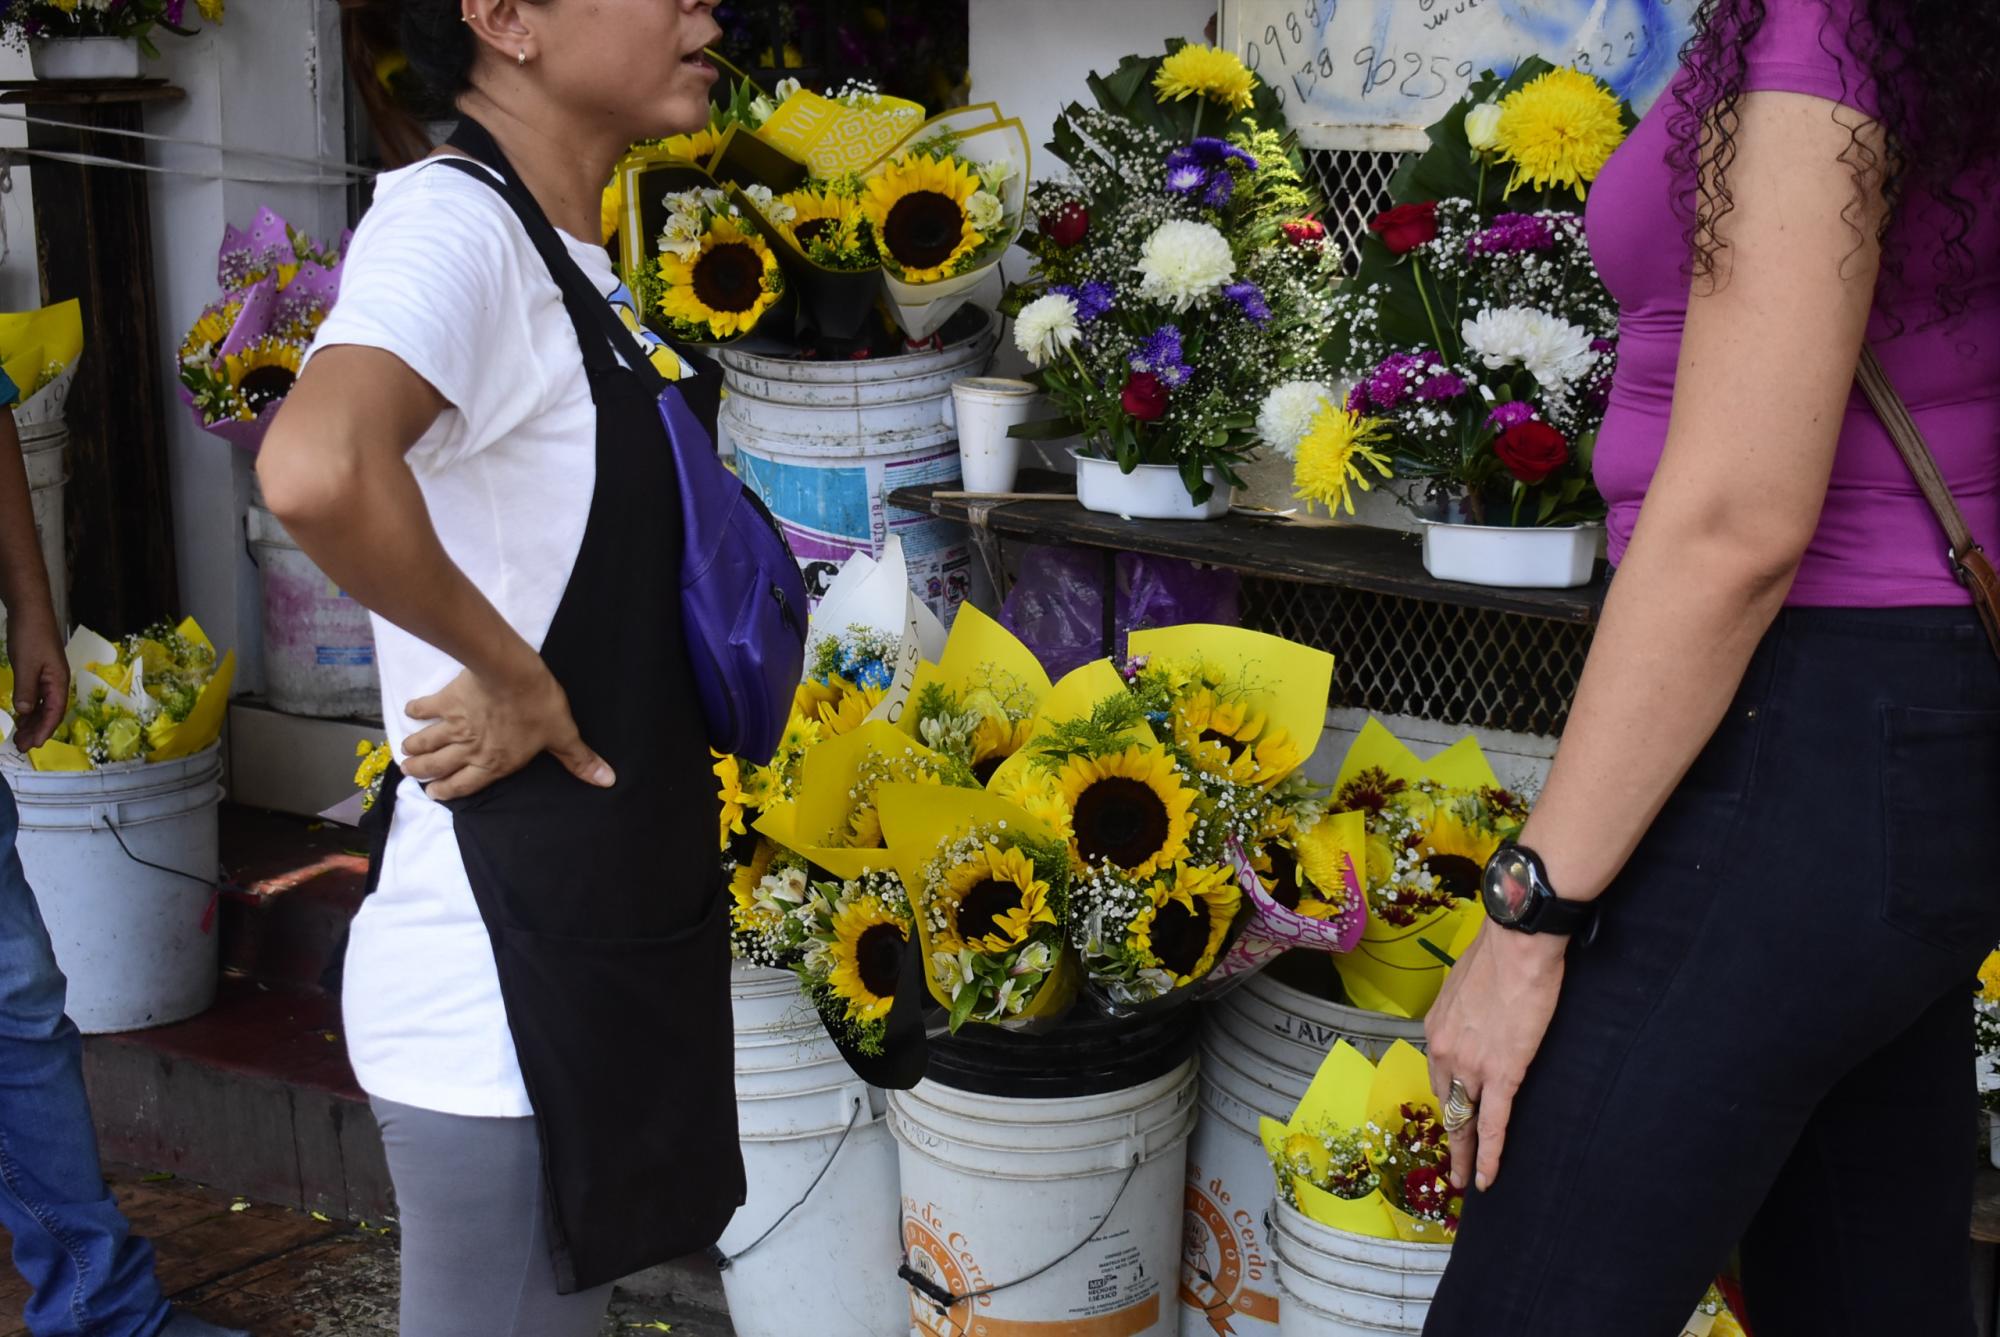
(1149, 492)
(84, 58)
(1535, 559)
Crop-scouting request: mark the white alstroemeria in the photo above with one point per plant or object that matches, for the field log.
(769, 204)
(1046, 327)
(985, 211)
(761, 108)
(785, 89)
(1287, 414)
(996, 174)
(1555, 352)
(1035, 957)
(1184, 263)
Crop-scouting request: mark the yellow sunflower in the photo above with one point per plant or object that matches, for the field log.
(827, 219)
(1303, 872)
(1206, 71)
(867, 957)
(849, 707)
(1182, 928)
(917, 206)
(994, 739)
(1331, 454)
(993, 902)
(692, 147)
(1130, 809)
(1558, 131)
(729, 285)
(263, 374)
(609, 206)
(1454, 852)
(743, 885)
(204, 342)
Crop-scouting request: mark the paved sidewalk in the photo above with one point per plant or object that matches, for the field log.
(273, 1271)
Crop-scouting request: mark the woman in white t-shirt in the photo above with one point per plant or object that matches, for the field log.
(536, 991)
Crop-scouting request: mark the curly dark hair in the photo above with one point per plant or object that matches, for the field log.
(1935, 65)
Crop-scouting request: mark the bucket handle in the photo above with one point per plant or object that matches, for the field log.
(725, 1261)
(104, 814)
(944, 1301)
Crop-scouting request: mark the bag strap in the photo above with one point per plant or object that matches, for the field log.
(1969, 561)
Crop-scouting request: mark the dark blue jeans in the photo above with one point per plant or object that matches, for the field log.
(1770, 1042)
(89, 1273)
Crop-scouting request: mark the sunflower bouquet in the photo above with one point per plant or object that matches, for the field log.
(1477, 335)
(1430, 828)
(715, 278)
(1366, 1151)
(243, 353)
(978, 702)
(1179, 272)
(158, 695)
(857, 931)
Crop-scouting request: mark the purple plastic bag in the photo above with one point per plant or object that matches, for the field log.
(1057, 605)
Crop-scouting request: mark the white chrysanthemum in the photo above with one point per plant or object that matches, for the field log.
(1185, 262)
(1551, 349)
(1288, 412)
(984, 210)
(769, 204)
(1045, 328)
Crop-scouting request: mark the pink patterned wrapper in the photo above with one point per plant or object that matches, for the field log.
(1273, 930)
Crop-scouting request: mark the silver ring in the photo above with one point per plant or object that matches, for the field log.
(1459, 1107)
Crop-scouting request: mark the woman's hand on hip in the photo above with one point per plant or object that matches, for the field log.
(484, 730)
(1484, 1030)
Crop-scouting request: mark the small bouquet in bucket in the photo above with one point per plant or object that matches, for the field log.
(39, 352)
(1179, 272)
(243, 353)
(978, 703)
(159, 695)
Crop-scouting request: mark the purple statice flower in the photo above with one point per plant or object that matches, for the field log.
(1093, 299)
(1249, 299)
(1512, 414)
(1442, 387)
(1513, 234)
(1161, 355)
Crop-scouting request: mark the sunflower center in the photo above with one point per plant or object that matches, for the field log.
(1455, 873)
(1233, 746)
(984, 771)
(1282, 882)
(812, 230)
(980, 909)
(878, 956)
(729, 278)
(1180, 935)
(1120, 820)
(266, 385)
(923, 229)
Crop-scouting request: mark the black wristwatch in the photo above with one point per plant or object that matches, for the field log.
(1515, 889)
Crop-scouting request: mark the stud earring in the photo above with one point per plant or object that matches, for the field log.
(521, 56)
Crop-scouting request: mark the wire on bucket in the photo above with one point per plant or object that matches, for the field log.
(724, 1261)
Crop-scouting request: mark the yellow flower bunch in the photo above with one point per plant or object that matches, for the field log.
(1206, 71)
(1558, 131)
(1331, 455)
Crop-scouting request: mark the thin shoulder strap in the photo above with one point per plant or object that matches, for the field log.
(1968, 560)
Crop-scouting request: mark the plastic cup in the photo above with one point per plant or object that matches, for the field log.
(984, 407)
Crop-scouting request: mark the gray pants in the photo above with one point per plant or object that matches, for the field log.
(475, 1229)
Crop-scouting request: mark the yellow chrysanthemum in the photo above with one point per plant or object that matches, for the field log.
(1035, 795)
(728, 286)
(850, 707)
(1307, 1155)
(867, 958)
(263, 374)
(1454, 852)
(375, 759)
(1334, 448)
(745, 912)
(694, 147)
(824, 217)
(1303, 872)
(210, 9)
(1130, 809)
(801, 732)
(993, 901)
(1182, 928)
(729, 778)
(1989, 978)
(917, 206)
(1558, 131)
(204, 342)
(1206, 71)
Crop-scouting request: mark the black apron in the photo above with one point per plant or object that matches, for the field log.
(607, 908)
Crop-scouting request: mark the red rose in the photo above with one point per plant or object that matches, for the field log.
(1532, 451)
(1305, 232)
(1067, 226)
(1406, 227)
(1145, 397)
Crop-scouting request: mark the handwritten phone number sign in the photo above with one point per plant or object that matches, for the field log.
(1371, 74)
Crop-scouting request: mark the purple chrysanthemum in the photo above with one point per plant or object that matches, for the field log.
(1249, 299)
(1221, 190)
(1207, 167)
(1161, 355)
(1093, 299)
(1511, 414)
(1441, 387)
(1187, 180)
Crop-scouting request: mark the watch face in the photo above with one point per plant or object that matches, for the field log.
(1508, 886)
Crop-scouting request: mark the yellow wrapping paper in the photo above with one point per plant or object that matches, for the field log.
(835, 140)
(93, 664)
(981, 656)
(35, 342)
(918, 821)
(816, 825)
(1403, 1077)
(1287, 682)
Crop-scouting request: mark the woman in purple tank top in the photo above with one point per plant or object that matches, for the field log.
(1775, 815)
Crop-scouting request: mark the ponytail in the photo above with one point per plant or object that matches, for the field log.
(430, 37)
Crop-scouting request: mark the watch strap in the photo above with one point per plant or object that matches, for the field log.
(1552, 914)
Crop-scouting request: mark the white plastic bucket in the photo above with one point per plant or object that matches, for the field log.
(830, 1266)
(823, 443)
(319, 650)
(996, 1188)
(137, 942)
(45, 451)
(1149, 492)
(983, 408)
(1340, 1285)
(1531, 559)
(1261, 1045)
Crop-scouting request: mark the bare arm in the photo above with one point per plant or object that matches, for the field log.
(1766, 366)
(333, 472)
(34, 642)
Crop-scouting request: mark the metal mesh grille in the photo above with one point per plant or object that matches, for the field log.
(1356, 185)
(1459, 666)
